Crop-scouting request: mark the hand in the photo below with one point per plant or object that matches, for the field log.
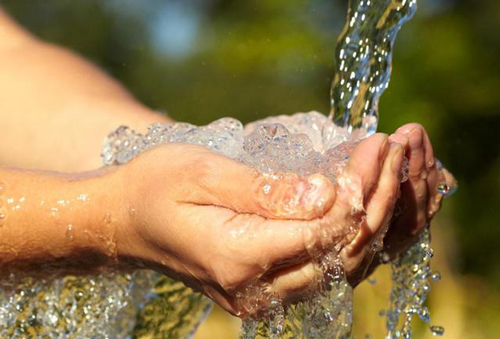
(207, 220)
(420, 199)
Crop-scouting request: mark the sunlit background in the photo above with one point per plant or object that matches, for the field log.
(199, 60)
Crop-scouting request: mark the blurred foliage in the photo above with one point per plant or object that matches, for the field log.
(200, 60)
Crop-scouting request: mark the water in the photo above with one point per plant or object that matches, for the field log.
(305, 143)
(107, 306)
(364, 61)
(148, 305)
(411, 275)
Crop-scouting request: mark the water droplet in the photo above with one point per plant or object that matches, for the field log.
(372, 281)
(54, 211)
(69, 232)
(132, 212)
(267, 188)
(437, 330)
(378, 245)
(429, 254)
(436, 276)
(3, 187)
(82, 197)
(425, 315)
(384, 257)
(443, 189)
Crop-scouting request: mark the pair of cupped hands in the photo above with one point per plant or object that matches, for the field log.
(219, 225)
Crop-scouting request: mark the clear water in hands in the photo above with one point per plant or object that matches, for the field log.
(148, 305)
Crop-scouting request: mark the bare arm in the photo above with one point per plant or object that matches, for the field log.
(58, 219)
(55, 107)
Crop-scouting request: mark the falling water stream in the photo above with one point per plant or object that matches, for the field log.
(146, 304)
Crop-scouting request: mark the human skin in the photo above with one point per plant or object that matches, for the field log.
(179, 209)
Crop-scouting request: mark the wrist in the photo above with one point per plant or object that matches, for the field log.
(128, 202)
(68, 221)
(101, 209)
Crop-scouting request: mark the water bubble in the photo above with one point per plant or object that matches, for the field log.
(384, 257)
(437, 330)
(443, 188)
(429, 254)
(378, 244)
(83, 197)
(3, 216)
(424, 314)
(69, 232)
(132, 212)
(436, 276)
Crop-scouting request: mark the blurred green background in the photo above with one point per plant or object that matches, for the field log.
(200, 60)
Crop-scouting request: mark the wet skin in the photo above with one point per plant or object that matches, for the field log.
(217, 224)
(211, 226)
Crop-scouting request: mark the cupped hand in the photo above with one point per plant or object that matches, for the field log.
(219, 225)
(420, 197)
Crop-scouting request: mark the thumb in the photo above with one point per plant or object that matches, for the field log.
(246, 190)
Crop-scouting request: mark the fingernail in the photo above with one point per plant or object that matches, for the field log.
(405, 130)
(396, 157)
(400, 139)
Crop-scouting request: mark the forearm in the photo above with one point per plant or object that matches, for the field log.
(56, 108)
(49, 218)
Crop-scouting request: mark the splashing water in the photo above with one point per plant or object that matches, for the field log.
(148, 305)
(280, 144)
(297, 144)
(107, 306)
(411, 275)
(364, 60)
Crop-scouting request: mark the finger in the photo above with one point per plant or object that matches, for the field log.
(379, 209)
(428, 150)
(430, 159)
(415, 191)
(290, 285)
(381, 205)
(450, 180)
(294, 283)
(278, 243)
(401, 139)
(224, 182)
(363, 169)
(434, 179)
